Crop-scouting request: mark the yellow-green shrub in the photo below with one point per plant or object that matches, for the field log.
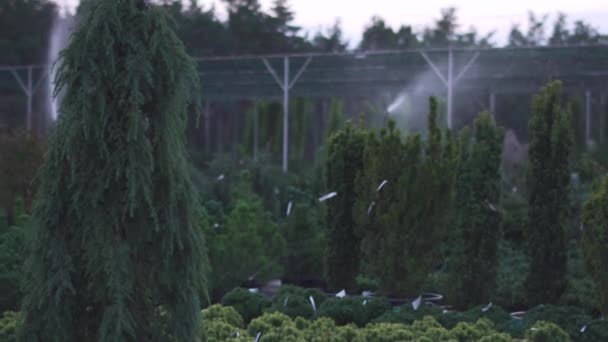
(8, 326)
(546, 332)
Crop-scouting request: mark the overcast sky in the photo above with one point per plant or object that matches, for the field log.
(485, 15)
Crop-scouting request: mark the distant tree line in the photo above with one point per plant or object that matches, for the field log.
(25, 27)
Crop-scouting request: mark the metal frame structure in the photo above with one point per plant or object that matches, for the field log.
(27, 86)
(377, 73)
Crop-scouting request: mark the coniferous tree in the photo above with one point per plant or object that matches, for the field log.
(548, 177)
(401, 221)
(595, 242)
(345, 159)
(477, 220)
(248, 244)
(116, 238)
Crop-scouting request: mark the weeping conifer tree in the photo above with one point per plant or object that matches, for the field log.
(116, 242)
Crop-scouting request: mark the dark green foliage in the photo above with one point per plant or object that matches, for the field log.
(20, 157)
(570, 319)
(295, 302)
(345, 160)
(581, 290)
(513, 268)
(477, 216)
(406, 222)
(595, 243)
(357, 310)
(596, 331)
(548, 178)
(407, 315)
(304, 238)
(116, 232)
(248, 244)
(274, 327)
(12, 256)
(495, 314)
(248, 305)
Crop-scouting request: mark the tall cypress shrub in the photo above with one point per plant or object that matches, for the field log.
(402, 223)
(117, 254)
(345, 159)
(595, 242)
(477, 220)
(548, 177)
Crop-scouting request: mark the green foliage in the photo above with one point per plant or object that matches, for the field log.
(116, 230)
(274, 326)
(295, 301)
(407, 315)
(222, 323)
(495, 314)
(12, 256)
(497, 337)
(407, 216)
(595, 331)
(8, 326)
(472, 332)
(223, 313)
(304, 237)
(20, 157)
(388, 332)
(581, 290)
(345, 160)
(357, 310)
(548, 178)
(477, 218)
(570, 319)
(248, 305)
(595, 242)
(247, 244)
(546, 332)
(324, 329)
(513, 268)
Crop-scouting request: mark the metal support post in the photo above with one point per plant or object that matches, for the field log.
(286, 85)
(29, 99)
(29, 89)
(450, 81)
(207, 118)
(602, 117)
(256, 130)
(285, 111)
(588, 117)
(450, 86)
